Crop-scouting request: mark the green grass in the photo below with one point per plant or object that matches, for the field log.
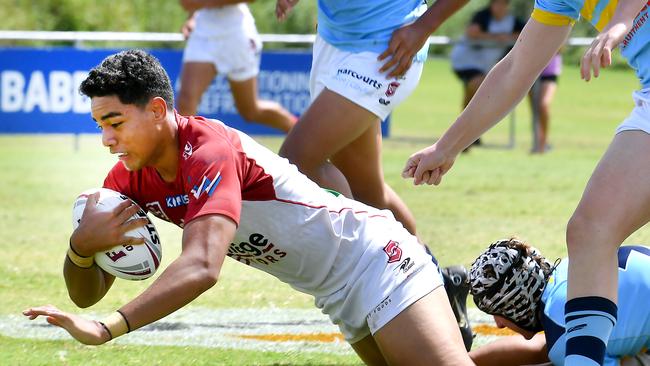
(489, 194)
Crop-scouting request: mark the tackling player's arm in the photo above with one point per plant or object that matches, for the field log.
(205, 244)
(512, 350)
(505, 85)
(97, 231)
(406, 41)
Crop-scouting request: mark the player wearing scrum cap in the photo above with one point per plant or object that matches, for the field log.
(525, 292)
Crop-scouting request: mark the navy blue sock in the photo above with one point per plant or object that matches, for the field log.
(589, 322)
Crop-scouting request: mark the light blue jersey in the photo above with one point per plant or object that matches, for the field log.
(635, 47)
(631, 334)
(366, 25)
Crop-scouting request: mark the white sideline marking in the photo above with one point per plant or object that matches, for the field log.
(222, 328)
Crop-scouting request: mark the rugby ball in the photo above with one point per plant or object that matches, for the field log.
(130, 262)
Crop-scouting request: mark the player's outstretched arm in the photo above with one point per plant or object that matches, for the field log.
(512, 351)
(97, 231)
(205, 244)
(408, 40)
(599, 54)
(504, 86)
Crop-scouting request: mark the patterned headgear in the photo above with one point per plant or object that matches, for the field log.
(508, 279)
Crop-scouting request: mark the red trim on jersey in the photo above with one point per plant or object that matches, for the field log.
(323, 206)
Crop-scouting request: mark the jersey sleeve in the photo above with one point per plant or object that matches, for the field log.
(554, 13)
(214, 182)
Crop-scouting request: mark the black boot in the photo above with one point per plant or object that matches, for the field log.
(457, 287)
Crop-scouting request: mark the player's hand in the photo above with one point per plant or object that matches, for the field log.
(599, 54)
(428, 165)
(100, 231)
(283, 8)
(188, 26)
(85, 331)
(402, 47)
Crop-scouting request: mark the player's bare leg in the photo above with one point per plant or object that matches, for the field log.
(195, 79)
(369, 352)
(255, 110)
(329, 124)
(616, 202)
(471, 87)
(360, 163)
(424, 334)
(350, 135)
(547, 92)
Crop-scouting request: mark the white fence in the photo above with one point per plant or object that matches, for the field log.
(177, 37)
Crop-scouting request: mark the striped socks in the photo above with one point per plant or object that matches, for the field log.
(589, 322)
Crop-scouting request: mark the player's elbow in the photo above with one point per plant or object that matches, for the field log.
(81, 299)
(82, 303)
(206, 275)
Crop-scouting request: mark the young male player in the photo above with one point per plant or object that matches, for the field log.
(365, 271)
(524, 292)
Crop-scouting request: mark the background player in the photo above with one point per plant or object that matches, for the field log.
(615, 202)
(363, 268)
(367, 58)
(524, 292)
(222, 37)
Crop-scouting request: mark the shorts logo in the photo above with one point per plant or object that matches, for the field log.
(577, 327)
(384, 101)
(391, 88)
(366, 79)
(406, 264)
(393, 251)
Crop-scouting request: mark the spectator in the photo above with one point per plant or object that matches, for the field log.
(487, 39)
(541, 97)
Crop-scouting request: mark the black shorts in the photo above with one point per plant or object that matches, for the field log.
(468, 74)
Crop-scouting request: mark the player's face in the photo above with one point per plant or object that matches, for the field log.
(502, 322)
(127, 130)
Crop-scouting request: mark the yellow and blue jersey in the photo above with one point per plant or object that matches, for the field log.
(599, 12)
(631, 334)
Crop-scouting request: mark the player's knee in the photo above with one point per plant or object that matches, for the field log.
(579, 228)
(249, 114)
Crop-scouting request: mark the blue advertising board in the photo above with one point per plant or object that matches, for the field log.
(39, 88)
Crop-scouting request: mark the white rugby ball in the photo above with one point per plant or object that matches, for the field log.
(131, 262)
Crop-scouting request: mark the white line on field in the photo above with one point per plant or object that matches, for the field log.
(268, 329)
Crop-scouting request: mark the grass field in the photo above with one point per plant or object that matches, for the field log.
(490, 193)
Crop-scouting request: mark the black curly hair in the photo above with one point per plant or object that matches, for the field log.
(134, 76)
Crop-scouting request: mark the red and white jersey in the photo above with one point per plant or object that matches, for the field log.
(287, 225)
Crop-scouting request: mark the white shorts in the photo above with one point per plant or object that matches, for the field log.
(356, 77)
(639, 119)
(399, 273)
(236, 55)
